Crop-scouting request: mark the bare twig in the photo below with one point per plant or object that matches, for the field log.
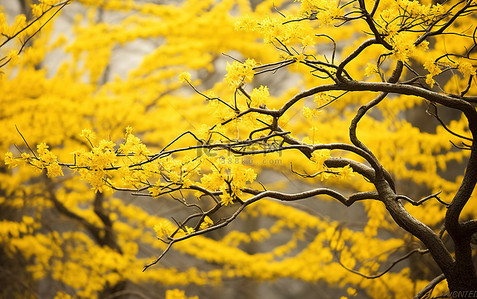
(432, 284)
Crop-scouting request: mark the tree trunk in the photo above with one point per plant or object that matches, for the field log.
(462, 279)
(462, 284)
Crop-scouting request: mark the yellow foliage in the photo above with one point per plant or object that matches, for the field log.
(70, 101)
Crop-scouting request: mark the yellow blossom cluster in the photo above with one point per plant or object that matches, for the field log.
(184, 77)
(229, 178)
(276, 28)
(206, 223)
(466, 68)
(133, 146)
(403, 45)
(320, 156)
(259, 96)
(45, 160)
(85, 91)
(239, 73)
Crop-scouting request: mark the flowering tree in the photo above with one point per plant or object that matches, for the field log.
(359, 64)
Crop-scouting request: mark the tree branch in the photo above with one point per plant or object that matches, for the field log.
(432, 284)
(394, 263)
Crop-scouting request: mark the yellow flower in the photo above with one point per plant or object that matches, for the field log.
(206, 223)
(88, 134)
(320, 156)
(432, 67)
(61, 295)
(346, 171)
(10, 160)
(245, 23)
(54, 170)
(307, 112)
(324, 175)
(175, 294)
(184, 77)
(371, 69)
(188, 230)
(163, 229)
(240, 72)
(203, 132)
(259, 95)
(403, 45)
(226, 199)
(300, 57)
(42, 148)
(465, 68)
(308, 40)
(430, 80)
(155, 191)
(36, 10)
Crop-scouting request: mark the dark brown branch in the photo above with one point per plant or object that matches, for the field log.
(432, 110)
(357, 167)
(311, 193)
(421, 201)
(334, 45)
(352, 56)
(270, 194)
(371, 24)
(469, 83)
(446, 25)
(424, 233)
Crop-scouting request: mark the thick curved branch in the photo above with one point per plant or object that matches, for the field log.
(470, 177)
(360, 168)
(347, 201)
(368, 17)
(424, 233)
(432, 96)
(352, 56)
(354, 123)
(397, 88)
(453, 227)
(364, 109)
(357, 167)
